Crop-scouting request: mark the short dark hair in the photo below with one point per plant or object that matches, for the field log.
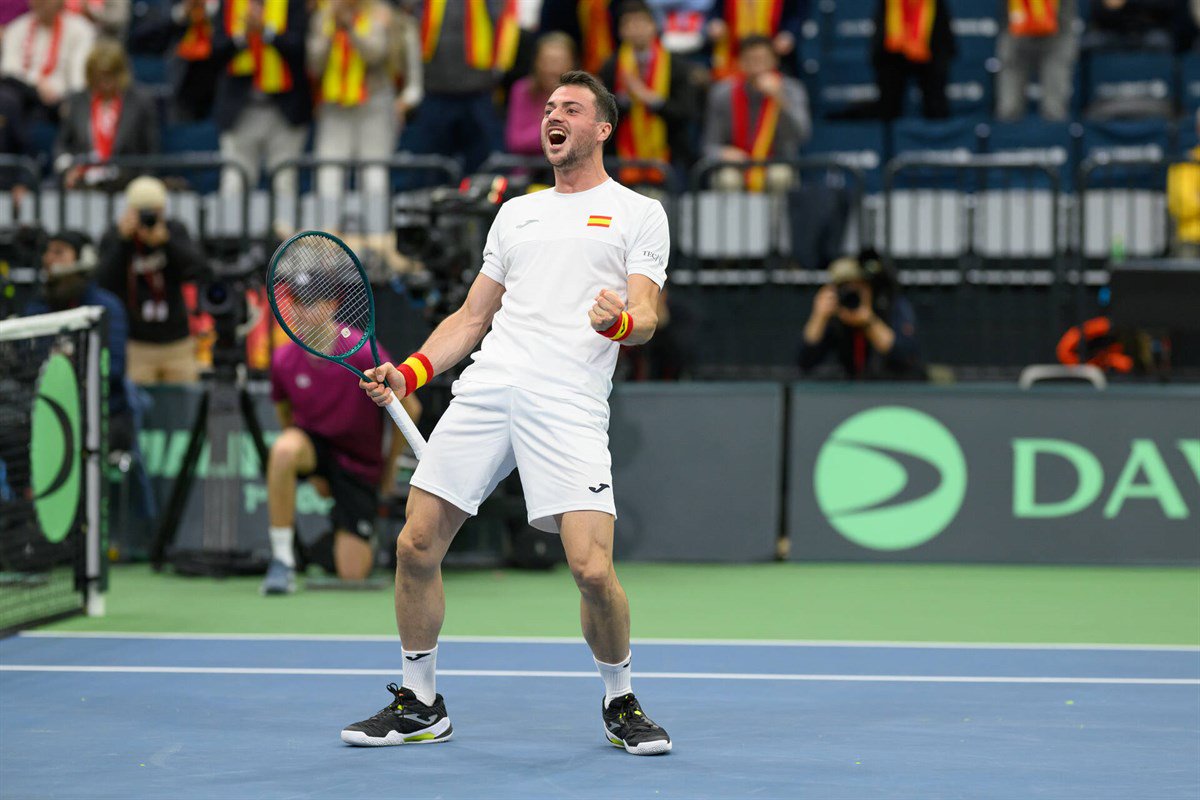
(635, 7)
(606, 104)
(755, 40)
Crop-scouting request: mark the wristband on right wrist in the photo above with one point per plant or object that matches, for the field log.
(417, 371)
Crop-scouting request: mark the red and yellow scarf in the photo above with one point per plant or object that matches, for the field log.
(595, 25)
(759, 140)
(196, 44)
(908, 26)
(261, 60)
(345, 80)
(642, 135)
(483, 49)
(744, 18)
(1033, 17)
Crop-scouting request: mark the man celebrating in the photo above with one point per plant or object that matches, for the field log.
(567, 273)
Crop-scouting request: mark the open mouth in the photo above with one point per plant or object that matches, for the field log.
(556, 136)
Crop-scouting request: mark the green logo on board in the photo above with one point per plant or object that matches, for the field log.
(55, 448)
(890, 478)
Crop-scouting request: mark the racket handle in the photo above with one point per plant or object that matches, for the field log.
(407, 427)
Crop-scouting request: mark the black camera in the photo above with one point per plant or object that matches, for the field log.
(849, 298)
(147, 218)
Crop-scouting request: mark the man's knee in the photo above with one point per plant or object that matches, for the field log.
(289, 449)
(594, 575)
(416, 548)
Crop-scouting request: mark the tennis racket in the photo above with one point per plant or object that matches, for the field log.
(321, 297)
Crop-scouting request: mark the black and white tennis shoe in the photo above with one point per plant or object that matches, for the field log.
(626, 726)
(406, 720)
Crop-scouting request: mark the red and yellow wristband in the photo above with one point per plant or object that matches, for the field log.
(620, 329)
(417, 371)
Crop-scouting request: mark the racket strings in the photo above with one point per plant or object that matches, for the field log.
(314, 269)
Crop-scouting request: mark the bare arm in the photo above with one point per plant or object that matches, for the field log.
(642, 307)
(449, 343)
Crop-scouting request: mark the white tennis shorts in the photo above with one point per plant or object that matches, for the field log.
(559, 446)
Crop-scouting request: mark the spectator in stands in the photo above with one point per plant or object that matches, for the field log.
(13, 140)
(356, 118)
(860, 321)
(263, 105)
(589, 23)
(1183, 202)
(404, 62)
(42, 57)
(731, 21)
(332, 436)
(113, 118)
(464, 52)
(109, 17)
(527, 100)
(912, 39)
(1040, 36)
(145, 259)
(653, 93)
(68, 263)
(184, 36)
(756, 115)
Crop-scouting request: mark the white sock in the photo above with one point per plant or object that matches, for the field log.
(616, 678)
(420, 673)
(281, 545)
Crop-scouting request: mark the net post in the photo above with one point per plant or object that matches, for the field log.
(94, 571)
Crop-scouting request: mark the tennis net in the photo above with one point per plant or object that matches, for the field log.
(52, 425)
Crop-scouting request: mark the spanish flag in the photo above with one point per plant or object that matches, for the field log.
(263, 61)
(196, 44)
(597, 221)
(595, 25)
(909, 24)
(744, 18)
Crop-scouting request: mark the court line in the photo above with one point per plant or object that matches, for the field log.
(505, 673)
(335, 637)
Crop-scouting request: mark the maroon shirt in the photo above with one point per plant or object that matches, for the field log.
(326, 401)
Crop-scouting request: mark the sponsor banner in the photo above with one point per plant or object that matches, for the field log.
(895, 474)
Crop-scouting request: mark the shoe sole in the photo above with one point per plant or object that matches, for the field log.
(395, 738)
(655, 748)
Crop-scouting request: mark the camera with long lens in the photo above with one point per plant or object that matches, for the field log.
(223, 297)
(444, 229)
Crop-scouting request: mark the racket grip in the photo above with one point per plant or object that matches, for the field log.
(407, 427)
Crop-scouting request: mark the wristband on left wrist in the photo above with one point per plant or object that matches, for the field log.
(620, 330)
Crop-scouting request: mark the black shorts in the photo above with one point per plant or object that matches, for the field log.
(355, 501)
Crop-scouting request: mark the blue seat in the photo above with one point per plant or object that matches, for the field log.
(934, 139)
(845, 81)
(1120, 139)
(1187, 140)
(1189, 82)
(970, 89)
(846, 25)
(150, 70)
(1036, 138)
(857, 144)
(976, 25)
(194, 137)
(1129, 76)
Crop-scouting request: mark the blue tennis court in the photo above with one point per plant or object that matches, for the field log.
(192, 716)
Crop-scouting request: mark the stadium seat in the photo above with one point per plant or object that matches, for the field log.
(845, 81)
(194, 137)
(847, 26)
(856, 144)
(976, 25)
(970, 89)
(1189, 89)
(149, 70)
(935, 136)
(1033, 137)
(1123, 204)
(1128, 84)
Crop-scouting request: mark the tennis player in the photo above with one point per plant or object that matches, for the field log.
(569, 275)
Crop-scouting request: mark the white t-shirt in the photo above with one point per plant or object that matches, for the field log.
(553, 253)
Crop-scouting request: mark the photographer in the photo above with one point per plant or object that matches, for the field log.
(859, 318)
(145, 259)
(67, 282)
